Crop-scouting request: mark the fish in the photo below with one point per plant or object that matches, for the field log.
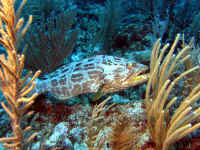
(110, 73)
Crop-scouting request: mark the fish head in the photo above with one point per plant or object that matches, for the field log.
(137, 74)
(125, 75)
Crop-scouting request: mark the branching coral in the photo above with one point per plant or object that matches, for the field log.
(125, 135)
(110, 21)
(50, 43)
(165, 129)
(96, 125)
(14, 87)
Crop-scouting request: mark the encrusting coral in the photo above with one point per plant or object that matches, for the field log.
(14, 87)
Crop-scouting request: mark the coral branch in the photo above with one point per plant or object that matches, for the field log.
(11, 75)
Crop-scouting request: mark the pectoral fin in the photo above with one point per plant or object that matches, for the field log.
(98, 94)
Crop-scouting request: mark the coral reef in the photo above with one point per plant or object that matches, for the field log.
(160, 115)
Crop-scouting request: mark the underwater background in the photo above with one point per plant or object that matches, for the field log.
(67, 33)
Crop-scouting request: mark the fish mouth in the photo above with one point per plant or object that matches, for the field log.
(139, 77)
(143, 71)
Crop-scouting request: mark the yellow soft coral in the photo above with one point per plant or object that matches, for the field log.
(14, 87)
(164, 128)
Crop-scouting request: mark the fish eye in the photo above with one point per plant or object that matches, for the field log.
(134, 64)
(145, 70)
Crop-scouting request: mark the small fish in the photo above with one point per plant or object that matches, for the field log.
(109, 73)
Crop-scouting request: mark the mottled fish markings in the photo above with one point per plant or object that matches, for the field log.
(87, 76)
